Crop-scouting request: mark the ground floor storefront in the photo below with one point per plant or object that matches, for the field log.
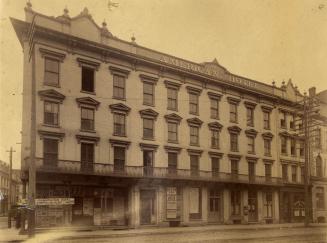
(319, 201)
(139, 203)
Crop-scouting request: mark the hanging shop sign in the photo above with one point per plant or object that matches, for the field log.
(54, 201)
(171, 203)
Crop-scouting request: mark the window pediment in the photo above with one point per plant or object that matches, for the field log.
(146, 146)
(88, 101)
(147, 78)
(52, 54)
(251, 133)
(194, 152)
(172, 85)
(149, 113)
(286, 134)
(233, 100)
(215, 126)
(215, 154)
(119, 108)
(51, 94)
(90, 139)
(172, 149)
(267, 135)
(88, 63)
(250, 105)
(234, 129)
(214, 95)
(51, 134)
(119, 71)
(193, 90)
(234, 156)
(266, 108)
(173, 118)
(194, 122)
(268, 161)
(251, 159)
(119, 143)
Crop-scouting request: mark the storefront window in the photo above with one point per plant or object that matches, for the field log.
(236, 202)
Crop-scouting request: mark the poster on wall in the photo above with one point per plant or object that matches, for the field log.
(194, 200)
(171, 202)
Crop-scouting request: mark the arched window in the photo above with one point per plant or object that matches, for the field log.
(319, 166)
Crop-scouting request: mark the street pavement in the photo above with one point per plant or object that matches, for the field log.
(273, 233)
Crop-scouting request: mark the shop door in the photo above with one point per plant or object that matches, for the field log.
(286, 208)
(147, 206)
(253, 206)
(214, 205)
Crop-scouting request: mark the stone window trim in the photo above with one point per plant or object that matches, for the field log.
(173, 118)
(234, 157)
(250, 105)
(215, 154)
(46, 53)
(266, 108)
(172, 149)
(291, 162)
(88, 63)
(268, 161)
(87, 102)
(51, 135)
(149, 114)
(233, 100)
(251, 159)
(267, 135)
(215, 96)
(287, 135)
(172, 85)
(88, 139)
(119, 71)
(194, 122)
(119, 143)
(148, 147)
(251, 133)
(51, 95)
(286, 111)
(193, 90)
(234, 130)
(197, 152)
(148, 79)
(119, 108)
(215, 126)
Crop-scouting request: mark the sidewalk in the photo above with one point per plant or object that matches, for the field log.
(97, 232)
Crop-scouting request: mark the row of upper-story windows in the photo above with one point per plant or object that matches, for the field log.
(51, 77)
(285, 141)
(4, 182)
(292, 120)
(50, 157)
(51, 117)
(294, 173)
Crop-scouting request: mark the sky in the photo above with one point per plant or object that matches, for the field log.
(264, 40)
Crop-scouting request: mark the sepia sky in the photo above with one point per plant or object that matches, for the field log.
(263, 40)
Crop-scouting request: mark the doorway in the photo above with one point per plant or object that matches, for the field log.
(148, 207)
(253, 206)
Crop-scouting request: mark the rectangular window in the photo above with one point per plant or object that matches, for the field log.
(285, 172)
(266, 120)
(148, 162)
(51, 113)
(292, 123)
(194, 135)
(87, 79)
(148, 128)
(317, 138)
(236, 202)
(214, 200)
(267, 203)
(215, 166)
(233, 142)
(267, 145)
(50, 152)
(214, 108)
(172, 99)
(119, 87)
(119, 159)
(283, 145)
(233, 113)
(234, 167)
(51, 72)
(172, 132)
(320, 198)
(215, 139)
(87, 119)
(194, 104)
(293, 144)
(87, 156)
(172, 163)
(251, 145)
(148, 93)
(301, 145)
(251, 168)
(283, 120)
(119, 125)
(249, 117)
(268, 172)
(302, 174)
(194, 163)
(294, 173)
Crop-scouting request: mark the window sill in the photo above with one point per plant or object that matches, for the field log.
(52, 85)
(85, 130)
(119, 98)
(233, 122)
(217, 148)
(50, 125)
(195, 114)
(88, 92)
(174, 142)
(152, 105)
(268, 155)
(194, 145)
(267, 128)
(119, 135)
(172, 109)
(253, 153)
(215, 118)
(148, 139)
(250, 125)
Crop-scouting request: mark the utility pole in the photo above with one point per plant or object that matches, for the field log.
(9, 190)
(306, 160)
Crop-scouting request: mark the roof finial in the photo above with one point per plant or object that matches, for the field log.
(273, 83)
(66, 11)
(104, 23)
(29, 4)
(133, 39)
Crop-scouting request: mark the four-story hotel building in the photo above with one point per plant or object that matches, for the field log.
(130, 136)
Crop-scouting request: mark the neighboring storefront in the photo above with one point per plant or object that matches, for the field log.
(292, 205)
